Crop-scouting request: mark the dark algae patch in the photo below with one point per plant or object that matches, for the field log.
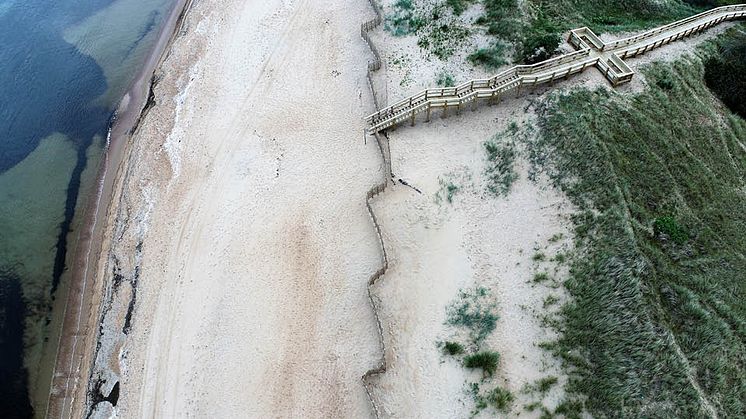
(656, 326)
(14, 402)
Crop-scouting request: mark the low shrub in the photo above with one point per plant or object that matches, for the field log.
(403, 20)
(539, 42)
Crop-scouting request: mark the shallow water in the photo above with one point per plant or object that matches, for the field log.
(64, 66)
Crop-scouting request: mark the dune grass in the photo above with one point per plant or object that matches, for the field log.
(476, 311)
(453, 348)
(487, 361)
(533, 27)
(659, 181)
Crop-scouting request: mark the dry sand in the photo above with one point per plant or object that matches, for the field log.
(241, 242)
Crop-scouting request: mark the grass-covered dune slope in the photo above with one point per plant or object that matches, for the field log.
(657, 322)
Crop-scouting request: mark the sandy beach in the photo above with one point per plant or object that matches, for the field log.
(241, 245)
(237, 247)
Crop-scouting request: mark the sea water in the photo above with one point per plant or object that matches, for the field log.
(64, 67)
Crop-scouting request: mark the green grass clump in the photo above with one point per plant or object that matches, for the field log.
(550, 300)
(623, 160)
(541, 277)
(443, 39)
(486, 361)
(492, 57)
(539, 257)
(500, 398)
(445, 79)
(668, 226)
(500, 169)
(404, 19)
(556, 237)
(447, 191)
(475, 309)
(453, 348)
(544, 384)
(459, 6)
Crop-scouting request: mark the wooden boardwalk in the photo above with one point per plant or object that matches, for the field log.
(591, 52)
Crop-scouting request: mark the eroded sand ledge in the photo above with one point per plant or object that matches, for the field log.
(241, 244)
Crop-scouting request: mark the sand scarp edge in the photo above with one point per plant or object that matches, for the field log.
(383, 147)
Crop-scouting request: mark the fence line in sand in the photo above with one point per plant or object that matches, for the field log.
(383, 147)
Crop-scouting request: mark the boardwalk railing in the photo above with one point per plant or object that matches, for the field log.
(493, 88)
(592, 51)
(700, 21)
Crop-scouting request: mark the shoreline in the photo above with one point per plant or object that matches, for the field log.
(77, 320)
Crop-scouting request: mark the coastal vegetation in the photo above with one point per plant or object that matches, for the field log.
(475, 313)
(486, 361)
(656, 323)
(474, 310)
(724, 71)
(453, 348)
(445, 79)
(526, 32)
(533, 27)
(501, 155)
